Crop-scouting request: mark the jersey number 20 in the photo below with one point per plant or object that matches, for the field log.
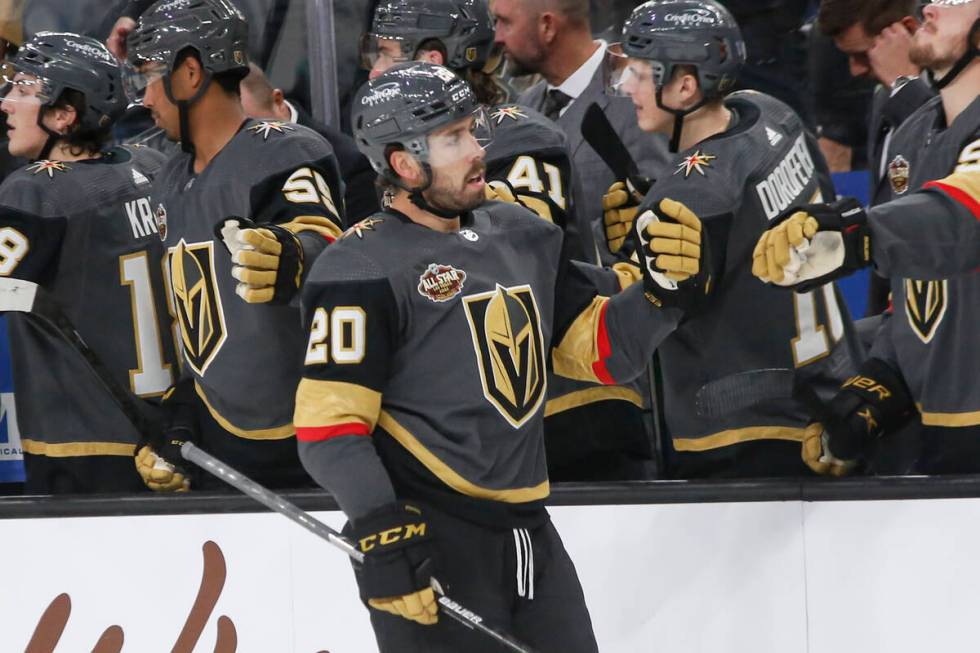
(346, 345)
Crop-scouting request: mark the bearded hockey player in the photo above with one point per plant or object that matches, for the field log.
(85, 231)
(593, 432)
(923, 364)
(431, 326)
(230, 284)
(741, 160)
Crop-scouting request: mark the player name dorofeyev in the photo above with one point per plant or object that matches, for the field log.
(787, 180)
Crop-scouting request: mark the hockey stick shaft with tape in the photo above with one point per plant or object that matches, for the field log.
(601, 136)
(28, 298)
(279, 504)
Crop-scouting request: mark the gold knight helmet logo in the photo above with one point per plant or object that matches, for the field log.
(197, 303)
(506, 330)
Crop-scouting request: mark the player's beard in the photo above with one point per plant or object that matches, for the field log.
(528, 64)
(924, 55)
(447, 195)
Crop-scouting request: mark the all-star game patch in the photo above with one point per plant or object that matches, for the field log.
(160, 218)
(440, 283)
(898, 174)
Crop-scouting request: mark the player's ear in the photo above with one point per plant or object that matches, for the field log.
(910, 23)
(189, 76)
(689, 88)
(407, 167)
(60, 119)
(432, 56)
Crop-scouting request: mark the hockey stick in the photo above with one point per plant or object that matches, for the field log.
(21, 296)
(279, 504)
(602, 137)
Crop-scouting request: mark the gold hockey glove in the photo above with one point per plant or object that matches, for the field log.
(268, 260)
(396, 575)
(154, 466)
(619, 206)
(814, 245)
(674, 252)
(817, 455)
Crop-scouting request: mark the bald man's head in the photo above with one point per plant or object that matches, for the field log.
(260, 99)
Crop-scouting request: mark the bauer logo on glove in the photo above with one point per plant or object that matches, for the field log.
(674, 251)
(268, 260)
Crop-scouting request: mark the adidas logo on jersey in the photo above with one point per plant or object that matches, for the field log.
(139, 178)
(773, 136)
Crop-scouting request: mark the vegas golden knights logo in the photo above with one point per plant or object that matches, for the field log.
(925, 306)
(506, 330)
(197, 304)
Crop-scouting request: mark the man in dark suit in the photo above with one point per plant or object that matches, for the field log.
(554, 39)
(261, 100)
(876, 36)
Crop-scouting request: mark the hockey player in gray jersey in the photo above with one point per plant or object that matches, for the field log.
(593, 431)
(923, 364)
(431, 326)
(742, 160)
(230, 281)
(84, 230)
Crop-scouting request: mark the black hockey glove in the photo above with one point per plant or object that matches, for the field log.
(674, 255)
(811, 246)
(158, 458)
(397, 569)
(870, 404)
(268, 260)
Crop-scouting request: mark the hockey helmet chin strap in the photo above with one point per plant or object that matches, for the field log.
(675, 138)
(415, 196)
(972, 52)
(183, 109)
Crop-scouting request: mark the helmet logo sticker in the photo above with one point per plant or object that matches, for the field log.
(92, 51)
(382, 93)
(898, 174)
(696, 162)
(694, 16)
(239, 57)
(440, 283)
(471, 54)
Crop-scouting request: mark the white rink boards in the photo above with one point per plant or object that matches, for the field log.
(773, 577)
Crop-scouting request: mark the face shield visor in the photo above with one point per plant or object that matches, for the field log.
(24, 88)
(623, 76)
(382, 52)
(136, 78)
(460, 142)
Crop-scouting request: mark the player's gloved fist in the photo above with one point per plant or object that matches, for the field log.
(268, 260)
(818, 456)
(619, 206)
(396, 575)
(809, 247)
(674, 254)
(500, 191)
(158, 462)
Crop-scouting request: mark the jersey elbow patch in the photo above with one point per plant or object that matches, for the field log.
(584, 350)
(328, 409)
(316, 223)
(963, 187)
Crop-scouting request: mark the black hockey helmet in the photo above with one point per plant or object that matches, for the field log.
(406, 104)
(402, 108)
(464, 27)
(215, 29)
(670, 33)
(698, 33)
(53, 62)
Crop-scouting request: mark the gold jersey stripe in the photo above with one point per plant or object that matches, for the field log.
(443, 472)
(627, 273)
(76, 449)
(274, 433)
(318, 223)
(326, 403)
(590, 396)
(579, 349)
(950, 419)
(735, 436)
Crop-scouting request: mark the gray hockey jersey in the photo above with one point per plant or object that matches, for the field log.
(437, 345)
(104, 271)
(926, 339)
(737, 182)
(245, 359)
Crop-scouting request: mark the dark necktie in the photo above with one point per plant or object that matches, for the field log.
(554, 102)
